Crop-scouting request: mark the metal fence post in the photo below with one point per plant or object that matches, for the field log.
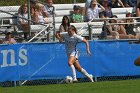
(95, 79)
(29, 17)
(54, 24)
(90, 32)
(15, 84)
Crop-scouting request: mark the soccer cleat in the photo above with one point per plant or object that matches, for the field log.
(75, 80)
(90, 77)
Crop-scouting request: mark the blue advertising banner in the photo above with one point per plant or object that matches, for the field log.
(49, 61)
(115, 58)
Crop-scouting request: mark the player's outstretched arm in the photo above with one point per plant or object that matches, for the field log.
(87, 46)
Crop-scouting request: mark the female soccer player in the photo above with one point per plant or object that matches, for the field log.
(71, 39)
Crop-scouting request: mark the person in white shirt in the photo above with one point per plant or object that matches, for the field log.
(38, 15)
(22, 23)
(50, 8)
(94, 10)
(23, 15)
(71, 39)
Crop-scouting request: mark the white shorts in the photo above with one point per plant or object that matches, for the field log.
(74, 54)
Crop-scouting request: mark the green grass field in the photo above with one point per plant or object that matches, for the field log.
(125, 86)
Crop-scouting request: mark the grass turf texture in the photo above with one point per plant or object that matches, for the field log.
(125, 86)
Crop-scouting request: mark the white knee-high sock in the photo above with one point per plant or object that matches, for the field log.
(73, 71)
(83, 71)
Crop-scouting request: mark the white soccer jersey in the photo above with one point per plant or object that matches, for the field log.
(71, 42)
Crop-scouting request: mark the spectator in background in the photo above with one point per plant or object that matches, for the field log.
(22, 20)
(125, 3)
(23, 15)
(138, 13)
(107, 32)
(129, 27)
(76, 16)
(32, 8)
(120, 29)
(130, 3)
(87, 4)
(138, 9)
(93, 10)
(8, 38)
(65, 24)
(107, 12)
(38, 16)
(50, 8)
(116, 4)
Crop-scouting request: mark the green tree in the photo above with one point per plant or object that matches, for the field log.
(20, 2)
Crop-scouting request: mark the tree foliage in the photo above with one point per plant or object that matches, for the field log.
(20, 2)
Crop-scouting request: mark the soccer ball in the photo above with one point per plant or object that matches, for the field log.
(69, 79)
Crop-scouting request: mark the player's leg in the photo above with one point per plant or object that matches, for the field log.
(82, 70)
(71, 61)
(137, 61)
